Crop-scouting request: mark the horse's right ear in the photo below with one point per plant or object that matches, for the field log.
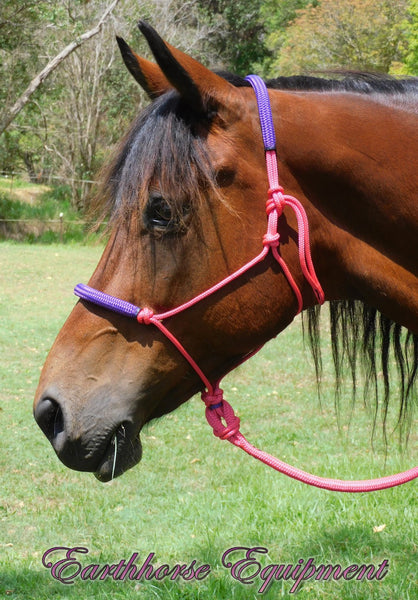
(146, 73)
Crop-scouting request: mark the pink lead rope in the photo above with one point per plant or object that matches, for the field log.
(219, 413)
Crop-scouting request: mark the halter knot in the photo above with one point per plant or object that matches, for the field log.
(214, 417)
(271, 239)
(276, 200)
(144, 316)
(213, 399)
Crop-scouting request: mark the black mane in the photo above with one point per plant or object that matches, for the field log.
(347, 81)
(385, 352)
(167, 123)
(164, 143)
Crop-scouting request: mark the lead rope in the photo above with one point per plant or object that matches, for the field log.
(219, 413)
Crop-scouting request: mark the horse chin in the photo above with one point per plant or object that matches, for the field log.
(123, 452)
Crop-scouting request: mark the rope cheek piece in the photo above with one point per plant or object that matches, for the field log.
(219, 413)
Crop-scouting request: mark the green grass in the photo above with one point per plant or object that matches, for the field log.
(192, 496)
(9, 183)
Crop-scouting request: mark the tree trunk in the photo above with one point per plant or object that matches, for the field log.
(50, 67)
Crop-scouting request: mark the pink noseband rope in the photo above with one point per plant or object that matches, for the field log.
(219, 413)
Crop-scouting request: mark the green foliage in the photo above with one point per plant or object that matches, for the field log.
(277, 15)
(20, 45)
(73, 122)
(23, 145)
(240, 39)
(48, 204)
(352, 34)
(411, 39)
(18, 19)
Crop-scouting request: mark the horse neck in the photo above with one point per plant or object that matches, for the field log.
(353, 160)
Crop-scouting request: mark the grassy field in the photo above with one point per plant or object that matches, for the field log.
(193, 497)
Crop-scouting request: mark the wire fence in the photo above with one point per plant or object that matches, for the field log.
(59, 229)
(50, 230)
(42, 178)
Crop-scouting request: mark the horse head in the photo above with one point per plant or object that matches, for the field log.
(186, 193)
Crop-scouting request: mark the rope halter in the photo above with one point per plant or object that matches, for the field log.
(219, 413)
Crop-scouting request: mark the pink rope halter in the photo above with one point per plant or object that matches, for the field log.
(219, 413)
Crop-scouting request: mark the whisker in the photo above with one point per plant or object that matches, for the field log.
(115, 443)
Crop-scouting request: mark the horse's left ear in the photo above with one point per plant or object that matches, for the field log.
(147, 74)
(203, 90)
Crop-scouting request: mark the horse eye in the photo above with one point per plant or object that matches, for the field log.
(158, 213)
(160, 217)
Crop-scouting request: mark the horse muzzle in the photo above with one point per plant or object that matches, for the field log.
(104, 445)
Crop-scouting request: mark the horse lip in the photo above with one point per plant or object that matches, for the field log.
(123, 451)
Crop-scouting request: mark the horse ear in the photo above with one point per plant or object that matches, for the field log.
(203, 90)
(147, 74)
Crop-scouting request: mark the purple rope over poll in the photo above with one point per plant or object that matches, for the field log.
(106, 301)
(264, 110)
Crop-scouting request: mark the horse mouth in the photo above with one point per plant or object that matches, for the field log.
(123, 451)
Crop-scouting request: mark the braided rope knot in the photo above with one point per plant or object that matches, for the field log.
(144, 316)
(271, 239)
(225, 412)
(276, 200)
(213, 399)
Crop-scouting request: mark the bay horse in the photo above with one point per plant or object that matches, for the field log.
(186, 192)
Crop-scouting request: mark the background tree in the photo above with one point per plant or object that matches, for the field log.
(238, 33)
(20, 49)
(353, 34)
(74, 116)
(410, 64)
(276, 16)
(71, 124)
(68, 128)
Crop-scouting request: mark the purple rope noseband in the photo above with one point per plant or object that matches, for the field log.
(106, 301)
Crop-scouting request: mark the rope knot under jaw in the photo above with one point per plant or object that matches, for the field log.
(220, 415)
(145, 316)
(213, 399)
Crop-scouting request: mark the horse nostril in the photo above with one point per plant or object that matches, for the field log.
(48, 415)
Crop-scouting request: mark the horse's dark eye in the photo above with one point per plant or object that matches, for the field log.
(161, 217)
(158, 213)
